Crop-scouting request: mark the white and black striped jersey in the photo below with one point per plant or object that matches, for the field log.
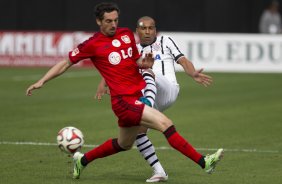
(166, 53)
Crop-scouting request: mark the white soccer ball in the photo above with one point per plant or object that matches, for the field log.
(70, 140)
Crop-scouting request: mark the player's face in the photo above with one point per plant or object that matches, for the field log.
(146, 31)
(108, 25)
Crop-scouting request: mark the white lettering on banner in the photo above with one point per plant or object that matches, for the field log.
(65, 43)
(7, 44)
(231, 52)
(37, 44)
(235, 52)
(49, 45)
(37, 49)
(23, 44)
(214, 52)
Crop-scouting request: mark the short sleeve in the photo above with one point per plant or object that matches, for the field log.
(174, 50)
(83, 51)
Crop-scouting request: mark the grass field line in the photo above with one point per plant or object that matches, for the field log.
(157, 148)
(66, 75)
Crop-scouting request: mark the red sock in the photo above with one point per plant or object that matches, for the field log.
(180, 144)
(109, 147)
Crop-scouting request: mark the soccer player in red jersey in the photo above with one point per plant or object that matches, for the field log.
(113, 52)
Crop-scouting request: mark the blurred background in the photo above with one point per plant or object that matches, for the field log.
(232, 16)
(219, 35)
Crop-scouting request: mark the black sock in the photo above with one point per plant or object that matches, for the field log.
(202, 162)
(84, 161)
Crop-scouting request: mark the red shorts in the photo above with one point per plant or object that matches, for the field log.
(128, 109)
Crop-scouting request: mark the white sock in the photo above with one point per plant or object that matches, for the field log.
(150, 89)
(147, 150)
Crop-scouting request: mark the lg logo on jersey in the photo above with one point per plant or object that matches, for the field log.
(115, 57)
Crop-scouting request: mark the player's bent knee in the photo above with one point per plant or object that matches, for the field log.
(165, 123)
(168, 123)
(126, 146)
(142, 130)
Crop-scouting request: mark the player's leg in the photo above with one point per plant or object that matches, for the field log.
(166, 96)
(147, 150)
(167, 93)
(154, 119)
(150, 90)
(124, 142)
(129, 113)
(127, 136)
(144, 145)
(109, 147)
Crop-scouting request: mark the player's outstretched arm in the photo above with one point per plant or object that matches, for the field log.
(55, 71)
(197, 75)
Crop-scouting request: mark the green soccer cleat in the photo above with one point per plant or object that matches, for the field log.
(77, 166)
(212, 160)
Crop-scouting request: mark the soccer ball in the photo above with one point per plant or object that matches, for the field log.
(70, 140)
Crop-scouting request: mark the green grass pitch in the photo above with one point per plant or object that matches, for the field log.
(239, 112)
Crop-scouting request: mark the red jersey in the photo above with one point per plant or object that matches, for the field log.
(115, 58)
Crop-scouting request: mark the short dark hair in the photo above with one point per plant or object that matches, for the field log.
(101, 8)
(146, 18)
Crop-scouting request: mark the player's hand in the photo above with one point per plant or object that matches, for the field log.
(147, 61)
(201, 78)
(101, 91)
(34, 86)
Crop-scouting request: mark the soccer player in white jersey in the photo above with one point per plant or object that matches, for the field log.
(162, 88)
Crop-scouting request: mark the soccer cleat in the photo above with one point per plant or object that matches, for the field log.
(144, 100)
(158, 177)
(77, 166)
(212, 160)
